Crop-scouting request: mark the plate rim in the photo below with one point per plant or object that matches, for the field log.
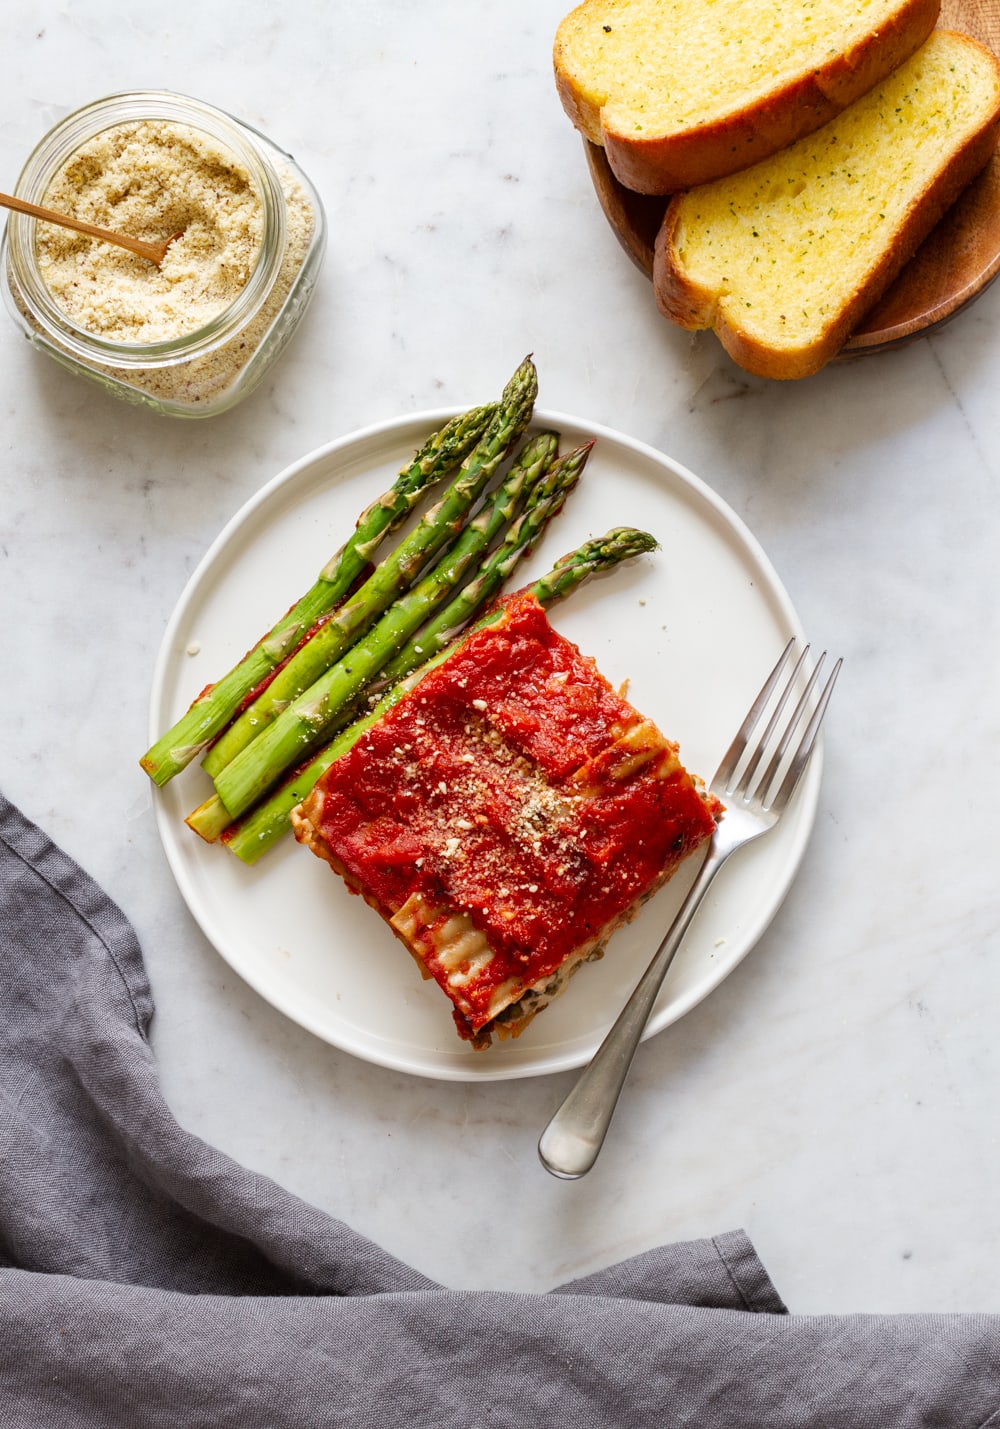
(479, 1068)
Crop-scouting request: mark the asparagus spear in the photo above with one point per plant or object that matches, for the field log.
(260, 829)
(344, 681)
(443, 627)
(545, 500)
(215, 707)
(210, 818)
(310, 717)
(390, 579)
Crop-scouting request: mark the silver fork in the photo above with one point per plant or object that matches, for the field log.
(755, 800)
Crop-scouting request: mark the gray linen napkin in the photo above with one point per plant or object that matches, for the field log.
(146, 1280)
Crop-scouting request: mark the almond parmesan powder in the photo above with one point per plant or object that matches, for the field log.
(150, 179)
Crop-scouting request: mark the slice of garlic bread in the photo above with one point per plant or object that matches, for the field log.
(683, 91)
(786, 258)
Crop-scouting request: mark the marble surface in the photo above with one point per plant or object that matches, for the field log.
(837, 1095)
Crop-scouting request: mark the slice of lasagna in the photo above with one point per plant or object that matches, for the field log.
(505, 817)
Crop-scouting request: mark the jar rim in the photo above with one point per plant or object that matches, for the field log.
(75, 129)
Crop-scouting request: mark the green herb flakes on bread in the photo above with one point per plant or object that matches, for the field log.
(680, 92)
(785, 259)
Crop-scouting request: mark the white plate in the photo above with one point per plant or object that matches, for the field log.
(694, 628)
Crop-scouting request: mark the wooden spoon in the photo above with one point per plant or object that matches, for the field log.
(154, 252)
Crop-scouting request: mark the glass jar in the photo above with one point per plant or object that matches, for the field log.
(209, 369)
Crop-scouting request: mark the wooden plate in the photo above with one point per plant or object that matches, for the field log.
(958, 260)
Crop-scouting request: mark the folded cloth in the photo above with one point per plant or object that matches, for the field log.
(147, 1280)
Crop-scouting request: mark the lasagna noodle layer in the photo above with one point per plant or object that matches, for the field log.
(506, 817)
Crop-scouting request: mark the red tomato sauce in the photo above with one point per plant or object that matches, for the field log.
(465, 792)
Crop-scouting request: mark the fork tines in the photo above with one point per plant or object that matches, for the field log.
(787, 758)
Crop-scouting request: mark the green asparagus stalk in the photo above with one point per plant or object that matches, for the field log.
(443, 627)
(303, 725)
(546, 498)
(215, 707)
(345, 680)
(251, 836)
(393, 576)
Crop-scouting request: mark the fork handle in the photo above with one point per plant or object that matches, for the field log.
(572, 1141)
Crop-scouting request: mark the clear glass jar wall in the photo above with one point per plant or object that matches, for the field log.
(209, 369)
